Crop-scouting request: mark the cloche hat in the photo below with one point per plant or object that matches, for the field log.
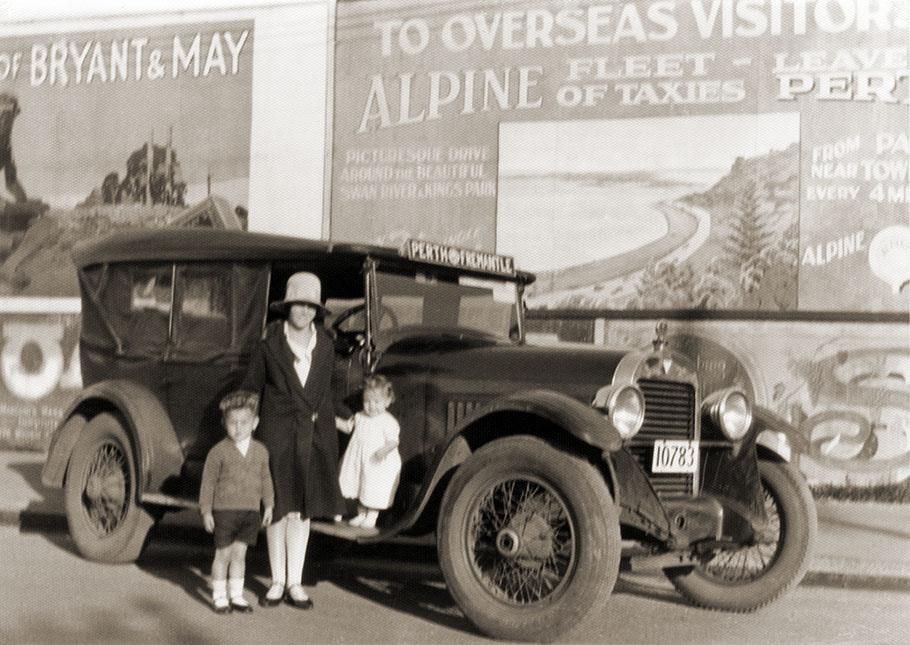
(302, 288)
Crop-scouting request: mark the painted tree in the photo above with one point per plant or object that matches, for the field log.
(749, 236)
(665, 285)
(713, 288)
(778, 288)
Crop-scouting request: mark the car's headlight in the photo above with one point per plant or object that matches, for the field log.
(625, 406)
(731, 410)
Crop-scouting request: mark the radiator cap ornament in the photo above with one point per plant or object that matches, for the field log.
(660, 346)
(660, 336)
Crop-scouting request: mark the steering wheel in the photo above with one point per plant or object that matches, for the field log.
(358, 334)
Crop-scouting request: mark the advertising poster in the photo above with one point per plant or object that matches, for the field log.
(728, 154)
(39, 370)
(842, 386)
(108, 130)
(202, 119)
(100, 131)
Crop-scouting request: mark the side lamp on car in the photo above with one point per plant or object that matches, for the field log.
(731, 410)
(625, 407)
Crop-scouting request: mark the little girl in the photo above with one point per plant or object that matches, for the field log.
(371, 465)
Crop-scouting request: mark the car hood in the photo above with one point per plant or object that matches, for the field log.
(480, 364)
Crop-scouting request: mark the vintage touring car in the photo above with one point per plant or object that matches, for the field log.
(530, 467)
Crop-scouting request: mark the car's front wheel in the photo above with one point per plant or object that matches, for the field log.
(528, 539)
(752, 575)
(106, 521)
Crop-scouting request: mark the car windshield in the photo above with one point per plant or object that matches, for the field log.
(424, 302)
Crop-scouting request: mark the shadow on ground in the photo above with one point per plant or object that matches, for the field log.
(111, 626)
(402, 578)
(47, 504)
(411, 585)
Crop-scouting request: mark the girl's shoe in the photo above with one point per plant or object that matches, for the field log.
(297, 597)
(273, 596)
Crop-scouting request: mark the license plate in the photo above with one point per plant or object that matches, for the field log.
(673, 456)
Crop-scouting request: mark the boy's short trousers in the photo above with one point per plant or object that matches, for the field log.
(236, 526)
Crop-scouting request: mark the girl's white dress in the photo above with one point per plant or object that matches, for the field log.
(360, 477)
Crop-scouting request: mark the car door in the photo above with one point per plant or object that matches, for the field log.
(218, 312)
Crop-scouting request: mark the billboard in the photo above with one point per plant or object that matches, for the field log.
(182, 119)
(842, 386)
(103, 130)
(734, 154)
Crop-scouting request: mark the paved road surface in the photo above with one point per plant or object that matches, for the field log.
(50, 595)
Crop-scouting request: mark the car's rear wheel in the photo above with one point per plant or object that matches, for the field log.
(528, 540)
(753, 575)
(106, 521)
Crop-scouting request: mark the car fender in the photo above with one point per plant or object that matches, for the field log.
(581, 421)
(158, 452)
(773, 433)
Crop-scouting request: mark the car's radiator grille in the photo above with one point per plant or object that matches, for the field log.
(669, 414)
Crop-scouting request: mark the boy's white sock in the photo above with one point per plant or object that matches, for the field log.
(235, 586)
(219, 589)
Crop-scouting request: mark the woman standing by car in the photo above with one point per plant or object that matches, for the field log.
(292, 367)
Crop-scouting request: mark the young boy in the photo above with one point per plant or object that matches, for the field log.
(235, 480)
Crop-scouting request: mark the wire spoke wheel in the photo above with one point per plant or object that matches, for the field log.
(101, 494)
(772, 561)
(522, 541)
(748, 563)
(528, 540)
(105, 491)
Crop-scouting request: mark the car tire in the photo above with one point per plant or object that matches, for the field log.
(782, 559)
(106, 521)
(528, 540)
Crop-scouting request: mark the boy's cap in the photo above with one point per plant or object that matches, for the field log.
(240, 399)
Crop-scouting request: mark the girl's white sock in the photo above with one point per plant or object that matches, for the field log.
(369, 520)
(235, 587)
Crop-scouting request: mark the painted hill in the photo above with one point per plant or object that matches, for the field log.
(747, 259)
(776, 177)
(40, 264)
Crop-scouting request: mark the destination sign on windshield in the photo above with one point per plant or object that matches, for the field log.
(453, 256)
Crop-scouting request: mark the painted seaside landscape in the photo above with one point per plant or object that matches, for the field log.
(702, 214)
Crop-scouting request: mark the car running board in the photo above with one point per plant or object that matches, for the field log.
(361, 535)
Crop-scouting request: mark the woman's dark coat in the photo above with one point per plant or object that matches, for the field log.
(297, 425)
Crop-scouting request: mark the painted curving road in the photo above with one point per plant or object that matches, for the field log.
(50, 595)
(688, 228)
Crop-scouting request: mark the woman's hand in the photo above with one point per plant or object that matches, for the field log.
(344, 425)
(267, 516)
(208, 521)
